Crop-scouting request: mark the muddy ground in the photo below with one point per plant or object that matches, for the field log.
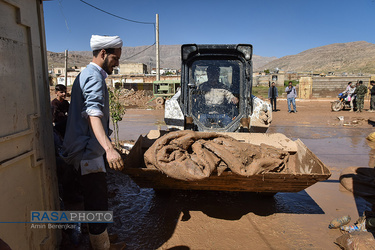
(145, 219)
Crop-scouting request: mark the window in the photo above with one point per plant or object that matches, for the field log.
(216, 95)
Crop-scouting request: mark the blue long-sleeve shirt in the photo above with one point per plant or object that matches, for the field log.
(89, 98)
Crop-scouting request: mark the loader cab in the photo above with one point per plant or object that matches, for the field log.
(216, 86)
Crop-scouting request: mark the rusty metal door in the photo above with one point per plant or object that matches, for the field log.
(27, 162)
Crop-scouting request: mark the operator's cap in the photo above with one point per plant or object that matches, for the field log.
(105, 42)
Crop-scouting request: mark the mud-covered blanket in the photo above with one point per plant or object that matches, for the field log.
(189, 155)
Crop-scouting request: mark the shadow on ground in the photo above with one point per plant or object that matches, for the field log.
(146, 219)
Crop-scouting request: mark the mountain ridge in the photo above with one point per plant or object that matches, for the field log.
(352, 57)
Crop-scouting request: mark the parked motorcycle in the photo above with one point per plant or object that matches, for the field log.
(342, 103)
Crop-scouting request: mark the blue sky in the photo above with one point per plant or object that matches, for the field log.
(274, 28)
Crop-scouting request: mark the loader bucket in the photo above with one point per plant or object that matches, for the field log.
(305, 169)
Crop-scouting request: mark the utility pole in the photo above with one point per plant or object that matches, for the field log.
(66, 68)
(149, 72)
(157, 49)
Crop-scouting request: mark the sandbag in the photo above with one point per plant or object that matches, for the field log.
(371, 137)
(189, 155)
(356, 240)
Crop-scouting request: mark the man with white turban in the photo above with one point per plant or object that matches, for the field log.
(86, 143)
(105, 42)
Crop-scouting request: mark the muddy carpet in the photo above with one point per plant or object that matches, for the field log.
(189, 155)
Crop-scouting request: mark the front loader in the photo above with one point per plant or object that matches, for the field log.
(186, 109)
(221, 145)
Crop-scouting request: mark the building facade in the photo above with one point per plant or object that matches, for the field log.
(132, 69)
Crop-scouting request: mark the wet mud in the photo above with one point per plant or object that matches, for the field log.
(191, 156)
(155, 219)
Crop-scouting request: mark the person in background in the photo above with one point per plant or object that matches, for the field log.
(86, 144)
(66, 175)
(347, 87)
(349, 92)
(372, 98)
(272, 95)
(360, 92)
(291, 97)
(60, 109)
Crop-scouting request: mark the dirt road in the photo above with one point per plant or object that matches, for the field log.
(223, 220)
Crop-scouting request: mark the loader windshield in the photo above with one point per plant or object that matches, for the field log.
(216, 95)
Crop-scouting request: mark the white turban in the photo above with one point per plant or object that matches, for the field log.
(105, 42)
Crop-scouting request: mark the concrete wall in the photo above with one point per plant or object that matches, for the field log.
(27, 161)
(330, 87)
(322, 87)
(133, 69)
(266, 80)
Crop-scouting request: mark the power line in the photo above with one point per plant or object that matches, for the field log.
(126, 19)
(139, 52)
(62, 12)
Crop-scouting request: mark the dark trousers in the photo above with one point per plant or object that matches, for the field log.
(372, 102)
(95, 197)
(273, 104)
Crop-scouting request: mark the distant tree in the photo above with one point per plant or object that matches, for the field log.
(294, 83)
(267, 71)
(117, 110)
